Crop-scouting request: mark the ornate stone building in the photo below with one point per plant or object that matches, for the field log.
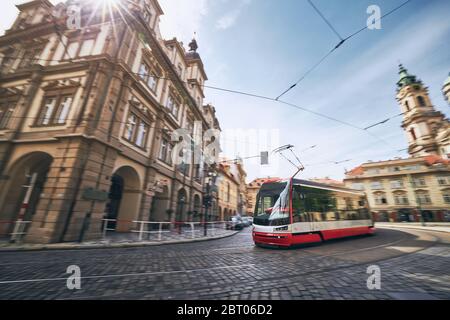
(417, 187)
(86, 116)
(232, 189)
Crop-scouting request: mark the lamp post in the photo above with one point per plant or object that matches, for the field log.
(208, 199)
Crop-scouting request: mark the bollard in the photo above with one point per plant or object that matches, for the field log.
(85, 227)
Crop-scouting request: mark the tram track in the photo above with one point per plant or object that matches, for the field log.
(259, 282)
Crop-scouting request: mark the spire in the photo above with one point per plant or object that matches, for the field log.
(447, 82)
(405, 78)
(193, 44)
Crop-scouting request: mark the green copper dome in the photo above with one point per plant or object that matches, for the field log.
(405, 78)
(448, 80)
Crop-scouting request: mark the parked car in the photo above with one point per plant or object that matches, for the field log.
(248, 221)
(235, 223)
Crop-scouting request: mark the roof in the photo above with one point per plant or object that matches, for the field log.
(328, 181)
(356, 172)
(434, 159)
(258, 182)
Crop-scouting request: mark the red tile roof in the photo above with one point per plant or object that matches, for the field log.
(434, 159)
(356, 172)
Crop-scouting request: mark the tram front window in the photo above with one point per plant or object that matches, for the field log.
(272, 205)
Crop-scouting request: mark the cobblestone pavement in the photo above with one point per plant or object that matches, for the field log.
(414, 265)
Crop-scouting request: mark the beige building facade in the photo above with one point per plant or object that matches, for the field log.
(417, 187)
(86, 122)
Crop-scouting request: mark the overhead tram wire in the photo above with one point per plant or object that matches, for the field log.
(343, 40)
(322, 115)
(326, 20)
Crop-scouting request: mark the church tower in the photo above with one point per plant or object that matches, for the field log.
(421, 122)
(446, 89)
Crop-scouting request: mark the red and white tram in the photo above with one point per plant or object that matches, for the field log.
(296, 211)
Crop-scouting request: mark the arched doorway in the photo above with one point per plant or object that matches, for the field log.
(23, 190)
(160, 205)
(124, 199)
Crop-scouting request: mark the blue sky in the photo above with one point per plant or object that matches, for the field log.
(263, 46)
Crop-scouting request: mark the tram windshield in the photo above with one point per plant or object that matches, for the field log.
(272, 205)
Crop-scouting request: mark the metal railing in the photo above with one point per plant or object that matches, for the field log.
(149, 230)
(18, 230)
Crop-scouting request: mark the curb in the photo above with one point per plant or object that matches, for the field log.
(413, 228)
(109, 246)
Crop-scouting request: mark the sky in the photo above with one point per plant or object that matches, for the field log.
(264, 46)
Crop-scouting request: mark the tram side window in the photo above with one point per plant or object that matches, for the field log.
(298, 206)
(320, 205)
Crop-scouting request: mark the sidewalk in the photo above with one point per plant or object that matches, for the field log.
(114, 240)
(429, 226)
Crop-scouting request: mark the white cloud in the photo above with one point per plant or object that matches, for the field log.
(229, 19)
(182, 18)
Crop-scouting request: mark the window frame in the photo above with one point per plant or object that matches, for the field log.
(9, 105)
(133, 111)
(59, 96)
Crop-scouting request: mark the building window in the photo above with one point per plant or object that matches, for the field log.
(397, 184)
(407, 105)
(228, 192)
(136, 130)
(6, 112)
(443, 180)
(394, 169)
(173, 106)
(447, 196)
(165, 151)
(71, 49)
(148, 76)
(423, 197)
(7, 59)
(373, 171)
(380, 199)
(30, 57)
(401, 199)
(376, 185)
(418, 182)
(421, 101)
(180, 70)
(147, 15)
(55, 110)
(358, 186)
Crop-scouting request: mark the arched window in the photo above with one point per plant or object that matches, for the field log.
(380, 198)
(421, 101)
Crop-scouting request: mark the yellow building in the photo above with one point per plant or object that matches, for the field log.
(232, 189)
(419, 186)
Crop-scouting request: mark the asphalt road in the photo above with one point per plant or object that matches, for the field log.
(414, 264)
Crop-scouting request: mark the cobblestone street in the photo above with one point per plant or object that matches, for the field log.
(414, 264)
